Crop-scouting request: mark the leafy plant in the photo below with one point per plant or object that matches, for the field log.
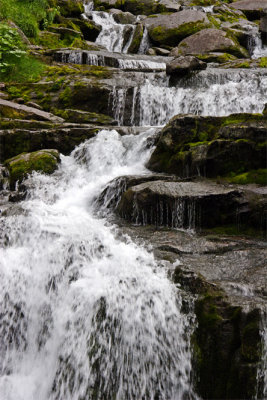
(15, 63)
(11, 48)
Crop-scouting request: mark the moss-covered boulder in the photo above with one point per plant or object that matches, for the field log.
(136, 40)
(211, 146)
(44, 161)
(70, 8)
(210, 40)
(170, 29)
(145, 7)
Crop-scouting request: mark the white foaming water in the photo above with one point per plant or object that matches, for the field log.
(145, 43)
(258, 49)
(262, 371)
(205, 95)
(114, 37)
(85, 314)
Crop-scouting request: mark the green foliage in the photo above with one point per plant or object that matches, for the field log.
(263, 62)
(28, 14)
(11, 48)
(15, 63)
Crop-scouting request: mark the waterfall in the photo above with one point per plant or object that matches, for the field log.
(212, 92)
(262, 371)
(113, 36)
(86, 313)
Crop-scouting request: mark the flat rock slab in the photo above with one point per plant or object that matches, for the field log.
(179, 204)
(252, 8)
(10, 109)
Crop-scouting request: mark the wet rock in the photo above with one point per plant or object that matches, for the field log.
(89, 29)
(64, 138)
(181, 66)
(9, 109)
(211, 146)
(171, 29)
(44, 161)
(179, 204)
(253, 9)
(136, 40)
(210, 40)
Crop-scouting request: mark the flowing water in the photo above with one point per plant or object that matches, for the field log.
(86, 313)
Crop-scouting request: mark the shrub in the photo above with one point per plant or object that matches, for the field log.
(15, 63)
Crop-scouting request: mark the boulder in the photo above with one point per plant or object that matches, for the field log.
(89, 29)
(253, 9)
(210, 40)
(172, 28)
(144, 7)
(122, 17)
(181, 66)
(9, 109)
(70, 8)
(44, 161)
(179, 204)
(211, 146)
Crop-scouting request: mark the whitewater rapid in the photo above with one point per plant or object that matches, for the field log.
(86, 313)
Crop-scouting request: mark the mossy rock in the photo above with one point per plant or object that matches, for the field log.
(227, 347)
(137, 38)
(171, 29)
(144, 7)
(44, 161)
(71, 8)
(219, 58)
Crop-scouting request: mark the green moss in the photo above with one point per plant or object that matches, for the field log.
(258, 176)
(65, 97)
(44, 161)
(263, 62)
(173, 36)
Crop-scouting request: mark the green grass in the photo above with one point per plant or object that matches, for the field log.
(16, 64)
(28, 15)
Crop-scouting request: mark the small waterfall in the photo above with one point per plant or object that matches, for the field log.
(145, 43)
(262, 371)
(86, 313)
(113, 36)
(212, 92)
(257, 48)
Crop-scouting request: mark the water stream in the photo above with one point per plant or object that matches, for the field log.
(86, 313)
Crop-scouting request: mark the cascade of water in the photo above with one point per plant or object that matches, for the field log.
(262, 370)
(145, 43)
(209, 93)
(113, 36)
(256, 46)
(83, 313)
